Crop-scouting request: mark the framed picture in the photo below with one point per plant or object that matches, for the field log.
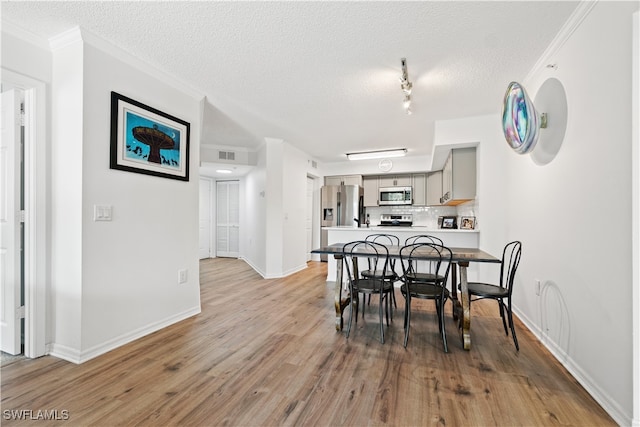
(468, 222)
(449, 222)
(146, 140)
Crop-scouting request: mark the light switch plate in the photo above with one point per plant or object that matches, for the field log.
(101, 212)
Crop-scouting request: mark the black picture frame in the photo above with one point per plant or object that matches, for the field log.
(148, 141)
(449, 222)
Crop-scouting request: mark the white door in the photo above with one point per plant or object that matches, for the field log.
(10, 258)
(227, 219)
(309, 224)
(205, 218)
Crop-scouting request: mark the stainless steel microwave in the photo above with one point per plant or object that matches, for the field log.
(390, 196)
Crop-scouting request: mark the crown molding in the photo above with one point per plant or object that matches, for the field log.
(67, 38)
(25, 35)
(78, 34)
(567, 30)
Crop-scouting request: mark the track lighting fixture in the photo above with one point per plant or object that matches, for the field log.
(406, 86)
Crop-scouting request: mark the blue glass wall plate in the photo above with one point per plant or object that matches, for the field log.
(520, 121)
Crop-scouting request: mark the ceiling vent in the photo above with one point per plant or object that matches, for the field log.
(226, 155)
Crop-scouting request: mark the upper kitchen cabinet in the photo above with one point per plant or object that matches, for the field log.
(459, 176)
(394, 181)
(343, 180)
(434, 188)
(419, 189)
(370, 184)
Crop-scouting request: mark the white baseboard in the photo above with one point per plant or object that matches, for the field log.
(72, 355)
(608, 404)
(274, 276)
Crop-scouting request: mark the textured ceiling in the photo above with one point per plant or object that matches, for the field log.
(323, 76)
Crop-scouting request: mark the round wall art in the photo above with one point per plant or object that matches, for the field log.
(522, 123)
(520, 120)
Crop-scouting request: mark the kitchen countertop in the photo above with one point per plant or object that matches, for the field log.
(415, 228)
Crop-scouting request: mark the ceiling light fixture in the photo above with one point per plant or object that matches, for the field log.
(365, 155)
(223, 171)
(406, 86)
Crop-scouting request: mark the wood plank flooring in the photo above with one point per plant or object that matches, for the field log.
(266, 353)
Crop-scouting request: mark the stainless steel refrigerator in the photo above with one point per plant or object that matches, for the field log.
(342, 205)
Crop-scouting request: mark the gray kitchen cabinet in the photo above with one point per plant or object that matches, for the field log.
(370, 184)
(434, 188)
(394, 181)
(419, 181)
(343, 180)
(459, 176)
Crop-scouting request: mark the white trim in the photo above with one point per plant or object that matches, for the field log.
(574, 21)
(25, 35)
(635, 212)
(36, 275)
(74, 356)
(79, 34)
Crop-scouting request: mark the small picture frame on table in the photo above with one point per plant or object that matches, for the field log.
(468, 223)
(449, 222)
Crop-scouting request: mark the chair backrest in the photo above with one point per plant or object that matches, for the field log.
(376, 255)
(423, 238)
(384, 239)
(510, 260)
(439, 263)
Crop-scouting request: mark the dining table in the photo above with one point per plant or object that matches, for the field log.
(461, 257)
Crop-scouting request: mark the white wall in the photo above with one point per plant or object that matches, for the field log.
(274, 210)
(573, 215)
(254, 211)
(116, 281)
(66, 223)
(294, 210)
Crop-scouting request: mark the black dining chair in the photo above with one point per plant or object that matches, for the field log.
(423, 238)
(389, 274)
(426, 276)
(415, 286)
(376, 257)
(503, 290)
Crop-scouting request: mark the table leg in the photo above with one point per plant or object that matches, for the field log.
(338, 302)
(465, 320)
(455, 303)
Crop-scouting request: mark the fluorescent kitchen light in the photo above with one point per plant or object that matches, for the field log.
(223, 171)
(377, 154)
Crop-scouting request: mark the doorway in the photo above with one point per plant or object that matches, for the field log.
(26, 307)
(11, 222)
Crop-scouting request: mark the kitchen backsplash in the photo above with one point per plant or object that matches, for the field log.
(424, 216)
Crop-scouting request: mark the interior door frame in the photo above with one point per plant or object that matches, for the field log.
(36, 195)
(211, 184)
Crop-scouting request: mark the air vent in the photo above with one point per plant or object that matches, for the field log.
(314, 164)
(226, 155)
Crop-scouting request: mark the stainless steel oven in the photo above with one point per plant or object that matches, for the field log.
(390, 196)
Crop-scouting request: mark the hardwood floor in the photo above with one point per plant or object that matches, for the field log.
(265, 352)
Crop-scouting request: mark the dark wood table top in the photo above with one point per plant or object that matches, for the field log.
(458, 254)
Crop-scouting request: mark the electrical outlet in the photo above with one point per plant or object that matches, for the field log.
(538, 287)
(182, 276)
